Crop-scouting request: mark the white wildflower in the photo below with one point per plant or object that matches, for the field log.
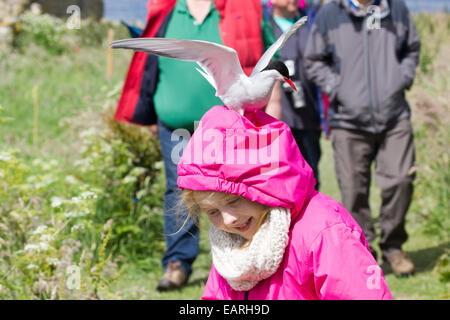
(46, 166)
(49, 178)
(80, 162)
(71, 179)
(138, 171)
(4, 156)
(41, 286)
(141, 193)
(91, 132)
(94, 155)
(32, 266)
(71, 214)
(31, 248)
(76, 200)
(159, 165)
(47, 237)
(39, 185)
(31, 179)
(56, 202)
(77, 227)
(53, 261)
(15, 216)
(43, 246)
(88, 195)
(129, 179)
(106, 148)
(40, 229)
(37, 162)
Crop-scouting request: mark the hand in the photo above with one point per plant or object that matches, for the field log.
(154, 130)
(273, 108)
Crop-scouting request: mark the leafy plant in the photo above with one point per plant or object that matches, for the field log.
(53, 34)
(427, 28)
(93, 33)
(124, 162)
(43, 30)
(430, 114)
(42, 219)
(442, 268)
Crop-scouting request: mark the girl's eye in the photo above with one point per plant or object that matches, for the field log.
(234, 201)
(212, 213)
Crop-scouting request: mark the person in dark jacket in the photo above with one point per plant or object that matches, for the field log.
(299, 108)
(363, 55)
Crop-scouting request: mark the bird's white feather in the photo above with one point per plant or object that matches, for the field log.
(207, 77)
(277, 45)
(220, 66)
(210, 56)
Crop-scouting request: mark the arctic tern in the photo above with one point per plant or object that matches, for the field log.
(221, 67)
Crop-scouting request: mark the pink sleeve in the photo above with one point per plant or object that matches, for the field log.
(344, 268)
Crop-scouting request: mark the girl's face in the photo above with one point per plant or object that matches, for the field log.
(233, 214)
(288, 5)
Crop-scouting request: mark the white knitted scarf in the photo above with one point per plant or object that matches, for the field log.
(244, 267)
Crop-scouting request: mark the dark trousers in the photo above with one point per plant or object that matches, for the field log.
(393, 153)
(182, 240)
(308, 142)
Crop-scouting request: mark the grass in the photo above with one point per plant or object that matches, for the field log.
(68, 85)
(137, 284)
(73, 90)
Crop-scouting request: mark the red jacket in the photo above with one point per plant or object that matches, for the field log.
(240, 28)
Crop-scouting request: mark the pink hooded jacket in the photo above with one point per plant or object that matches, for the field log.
(256, 156)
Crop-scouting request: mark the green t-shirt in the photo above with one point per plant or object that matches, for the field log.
(182, 94)
(283, 23)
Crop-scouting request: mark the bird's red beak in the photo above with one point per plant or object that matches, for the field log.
(290, 83)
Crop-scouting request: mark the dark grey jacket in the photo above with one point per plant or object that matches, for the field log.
(307, 116)
(364, 70)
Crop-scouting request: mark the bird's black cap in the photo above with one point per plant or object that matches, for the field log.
(279, 66)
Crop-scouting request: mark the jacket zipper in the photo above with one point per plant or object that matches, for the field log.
(246, 295)
(367, 66)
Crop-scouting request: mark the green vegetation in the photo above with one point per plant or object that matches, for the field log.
(81, 194)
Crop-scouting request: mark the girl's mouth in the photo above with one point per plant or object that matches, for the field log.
(245, 226)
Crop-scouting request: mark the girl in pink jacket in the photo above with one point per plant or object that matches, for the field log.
(272, 235)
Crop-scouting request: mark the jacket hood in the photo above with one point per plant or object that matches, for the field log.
(382, 8)
(254, 156)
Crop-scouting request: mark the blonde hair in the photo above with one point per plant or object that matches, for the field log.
(188, 198)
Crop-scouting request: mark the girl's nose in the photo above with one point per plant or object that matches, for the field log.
(229, 219)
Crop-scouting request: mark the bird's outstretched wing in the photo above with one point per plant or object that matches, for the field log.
(220, 63)
(281, 41)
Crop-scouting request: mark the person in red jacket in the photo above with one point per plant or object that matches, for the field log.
(169, 95)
